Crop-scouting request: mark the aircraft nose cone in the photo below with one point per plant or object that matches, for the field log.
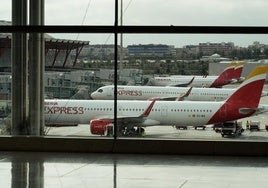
(93, 95)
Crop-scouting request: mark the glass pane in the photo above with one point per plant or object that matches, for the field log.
(71, 77)
(5, 11)
(84, 12)
(74, 70)
(153, 56)
(195, 12)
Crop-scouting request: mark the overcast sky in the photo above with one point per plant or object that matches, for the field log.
(157, 12)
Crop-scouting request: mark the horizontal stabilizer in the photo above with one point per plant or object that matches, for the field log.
(262, 108)
(264, 93)
(247, 110)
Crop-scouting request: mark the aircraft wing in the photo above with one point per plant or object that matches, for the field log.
(125, 120)
(183, 84)
(164, 98)
(133, 120)
(181, 98)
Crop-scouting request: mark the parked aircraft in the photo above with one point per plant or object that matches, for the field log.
(164, 93)
(228, 75)
(135, 114)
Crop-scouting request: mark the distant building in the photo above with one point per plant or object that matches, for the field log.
(220, 48)
(151, 50)
(214, 58)
(98, 51)
(57, 51)
(189, 52)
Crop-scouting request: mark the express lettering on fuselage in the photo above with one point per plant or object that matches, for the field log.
(64, 110)
(130, 92)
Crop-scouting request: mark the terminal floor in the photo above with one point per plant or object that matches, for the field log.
(40, 169)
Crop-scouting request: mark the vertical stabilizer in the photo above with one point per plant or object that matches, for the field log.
(245, 100)
(238, 70)
(226, 76)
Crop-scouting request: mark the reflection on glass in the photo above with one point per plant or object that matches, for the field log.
(25, 174)
(47, 171)
(77, 70)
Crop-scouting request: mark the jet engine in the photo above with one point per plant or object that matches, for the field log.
(101, 127)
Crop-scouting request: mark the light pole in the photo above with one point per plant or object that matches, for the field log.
(61, 76)
(121, 42)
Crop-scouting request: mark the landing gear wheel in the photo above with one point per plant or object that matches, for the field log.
(140, 131)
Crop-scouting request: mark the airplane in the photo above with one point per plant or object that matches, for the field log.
(229, 75)
(131, 114)
(235, 71)
(126, 92)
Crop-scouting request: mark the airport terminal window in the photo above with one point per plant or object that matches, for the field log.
(146, 53)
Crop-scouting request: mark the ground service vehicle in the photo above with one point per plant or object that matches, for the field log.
(203, 127)
(231, 128)
(180, 127)
(254, 125)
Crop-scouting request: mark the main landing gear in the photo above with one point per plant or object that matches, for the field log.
(132, 132)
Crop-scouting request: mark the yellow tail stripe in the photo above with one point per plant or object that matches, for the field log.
(231, 64)
(240, 63)
(257, 71)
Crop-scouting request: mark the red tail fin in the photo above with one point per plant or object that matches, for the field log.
(251, 89)
(226, 76)
(245, 98)
(238, 70)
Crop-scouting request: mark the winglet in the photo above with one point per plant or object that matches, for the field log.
(149, 109)
(181, 98)
(185, 84)
(191, 81)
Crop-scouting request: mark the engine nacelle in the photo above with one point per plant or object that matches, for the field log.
(100, 127)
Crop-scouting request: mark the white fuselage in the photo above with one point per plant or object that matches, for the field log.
(163, 112)
(198, 81)
(149, 92)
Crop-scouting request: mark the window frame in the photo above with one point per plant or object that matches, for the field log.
(130, 145)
